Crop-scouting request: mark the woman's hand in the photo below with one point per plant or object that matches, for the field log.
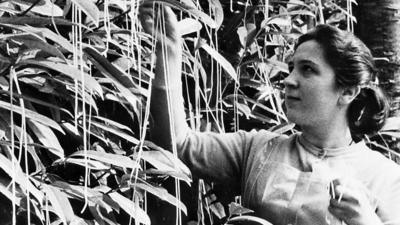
(351, 204)
(160, 22)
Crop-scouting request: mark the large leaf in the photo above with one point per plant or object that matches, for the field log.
(90, 9)
(282, 128)
(109, 69)
(14, 171)
(113, 159)
(33, 42)
(216, 6)
(60, 203)
(131, 208)
(165, 161)
(47, 33)
(113, 123)
(45, 7)
(47, 137)
(236, 209)
(159, 192)
(87, 163)
(122, 134)
(220, 59)
(35, 21)
(79, 192)
(68, 70)
(392, 124)
(5, 189)
(29, 147)
(123, 83)
(32, 115)
(291, 13)
(43, 102)
(188, 26)
(256, 103)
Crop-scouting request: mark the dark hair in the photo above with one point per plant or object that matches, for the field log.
(354, 65)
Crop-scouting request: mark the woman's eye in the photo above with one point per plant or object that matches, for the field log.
(307, 69)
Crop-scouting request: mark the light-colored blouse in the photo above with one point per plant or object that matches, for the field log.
(285, 179)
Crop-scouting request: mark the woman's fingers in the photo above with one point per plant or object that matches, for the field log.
(159, 21)
(347, 194)
(350, 202)
(341, 210)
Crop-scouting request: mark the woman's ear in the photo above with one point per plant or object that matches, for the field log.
(348, 94)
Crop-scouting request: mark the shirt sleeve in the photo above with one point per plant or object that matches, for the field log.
(220, 157)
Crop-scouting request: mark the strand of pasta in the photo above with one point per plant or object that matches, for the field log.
(23, 144)
(170, 112)
(13, 175)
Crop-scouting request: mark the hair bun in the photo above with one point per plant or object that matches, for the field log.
(368, 111)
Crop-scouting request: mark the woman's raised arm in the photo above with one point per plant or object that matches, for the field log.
(167, 106)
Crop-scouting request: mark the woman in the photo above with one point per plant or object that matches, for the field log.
(330, 94)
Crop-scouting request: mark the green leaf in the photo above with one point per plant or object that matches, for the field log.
(131, 208)
(32, 115)
(391, 123)
(43, 102)
(101, 216)
(47, 137)
(87, 163)
(35, 21)
(30, 148)
(117, 132)
(60, 203)
(159, 192)
(113, 123)
(285, 14)
(122, 82)
(248, 219)
(390, 151)
(236, 209)
(45, 7)
(165, 161)
(232, 97)
(221, 60)
(15, 172)
(5, 189)
(393, 134)
(47, 33)
(94, 196)
(109, 69)
(113, 159)
(68, 70)
(282, 128)
(90, 9)
(188, 26)
(216, 6)
(33, 42)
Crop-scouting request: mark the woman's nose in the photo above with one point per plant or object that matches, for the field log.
(290, 81)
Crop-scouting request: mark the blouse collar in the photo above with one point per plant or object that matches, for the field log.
(328, 152)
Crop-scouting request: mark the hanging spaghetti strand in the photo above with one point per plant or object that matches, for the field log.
(170, 111)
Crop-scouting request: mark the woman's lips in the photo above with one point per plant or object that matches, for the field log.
(292, 98)
(291, 101)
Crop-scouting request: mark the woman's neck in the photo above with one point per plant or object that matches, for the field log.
(335, 136)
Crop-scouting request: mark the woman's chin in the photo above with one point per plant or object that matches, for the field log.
(292, 116)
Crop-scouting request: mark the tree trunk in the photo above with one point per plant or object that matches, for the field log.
(379, 27)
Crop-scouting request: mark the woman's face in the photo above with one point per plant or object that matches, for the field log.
(311, 95)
